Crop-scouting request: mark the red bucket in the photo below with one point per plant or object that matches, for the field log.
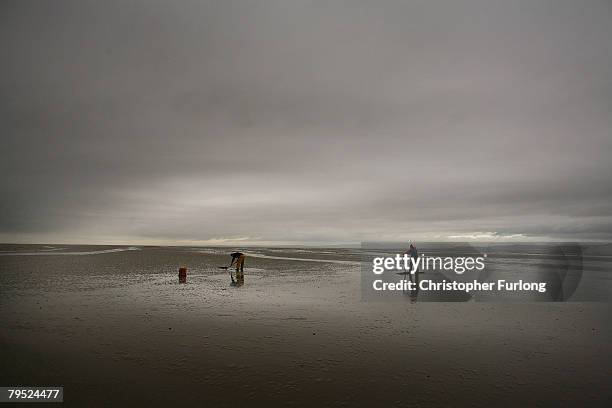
(183, 275)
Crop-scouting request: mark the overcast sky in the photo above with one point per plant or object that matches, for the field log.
(305, 121)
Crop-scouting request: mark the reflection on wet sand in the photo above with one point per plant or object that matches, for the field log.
(239, 281)
(414, 279)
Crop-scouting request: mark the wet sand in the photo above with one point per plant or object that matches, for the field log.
(118, 329)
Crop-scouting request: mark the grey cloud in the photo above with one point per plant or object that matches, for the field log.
(305, 121)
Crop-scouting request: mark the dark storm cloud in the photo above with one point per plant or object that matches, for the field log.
(305, 121)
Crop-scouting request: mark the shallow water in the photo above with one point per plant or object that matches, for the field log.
(298, 332)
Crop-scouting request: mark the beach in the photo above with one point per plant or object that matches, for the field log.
(114, 326)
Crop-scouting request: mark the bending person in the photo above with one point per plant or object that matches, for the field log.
(238, 260)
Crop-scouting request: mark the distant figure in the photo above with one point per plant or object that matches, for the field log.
(412, 251)
(238, 259)
(413, 277)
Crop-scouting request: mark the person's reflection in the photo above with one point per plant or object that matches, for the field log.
(413, 278)
(239, 279)
(415, 292)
